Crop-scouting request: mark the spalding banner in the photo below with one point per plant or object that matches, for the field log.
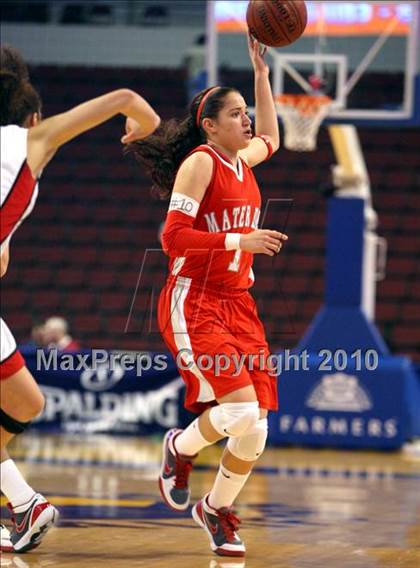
(101, 391)
(329, 399)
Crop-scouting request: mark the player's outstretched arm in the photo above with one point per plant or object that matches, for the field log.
(45, 138)
(266, 121)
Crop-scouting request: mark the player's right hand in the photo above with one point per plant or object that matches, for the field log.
(263, 241)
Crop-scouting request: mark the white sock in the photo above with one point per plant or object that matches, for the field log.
(226, 488)
(13, 485)
(190, 441)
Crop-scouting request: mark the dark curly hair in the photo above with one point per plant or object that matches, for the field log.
(11, 60)
(161, 154)
(18, 98)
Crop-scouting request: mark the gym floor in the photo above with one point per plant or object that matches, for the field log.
(301, 508)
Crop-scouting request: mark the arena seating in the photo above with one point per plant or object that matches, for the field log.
(81, 253)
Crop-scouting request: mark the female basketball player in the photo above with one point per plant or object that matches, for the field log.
(205, 309)
(27, 145)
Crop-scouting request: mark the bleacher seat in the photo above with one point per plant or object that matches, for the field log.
(81, 252)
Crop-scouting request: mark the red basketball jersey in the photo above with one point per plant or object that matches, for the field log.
(231, 204)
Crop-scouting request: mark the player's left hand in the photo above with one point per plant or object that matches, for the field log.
(256, 53)
(133, 131)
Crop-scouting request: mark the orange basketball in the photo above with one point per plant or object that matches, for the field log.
(276, 23)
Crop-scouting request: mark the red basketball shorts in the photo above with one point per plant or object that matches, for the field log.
(218, 342)
(11, 361)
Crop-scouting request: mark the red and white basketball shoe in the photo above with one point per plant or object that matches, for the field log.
(220, 526)
(5, 542)
(31, 521)
(174, 474)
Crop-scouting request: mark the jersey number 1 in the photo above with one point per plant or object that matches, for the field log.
(234, 265)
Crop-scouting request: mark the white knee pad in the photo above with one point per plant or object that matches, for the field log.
(250, 445)
(234, 418)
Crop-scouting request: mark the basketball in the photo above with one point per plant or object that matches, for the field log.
(276, 23)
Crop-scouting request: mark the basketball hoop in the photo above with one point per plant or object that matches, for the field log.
(302, 116)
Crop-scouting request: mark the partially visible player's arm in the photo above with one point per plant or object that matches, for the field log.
(4, 261)
(267, 139)
(178, 236)
(45, 138)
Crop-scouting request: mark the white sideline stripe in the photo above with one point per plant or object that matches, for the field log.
(182, 339)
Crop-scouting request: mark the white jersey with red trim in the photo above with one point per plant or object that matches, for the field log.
(19, 189)
(8, 342)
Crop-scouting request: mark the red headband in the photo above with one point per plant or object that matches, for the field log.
(202, 103)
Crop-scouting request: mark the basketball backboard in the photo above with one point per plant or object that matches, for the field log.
(365, 53)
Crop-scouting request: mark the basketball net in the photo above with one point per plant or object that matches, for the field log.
(302, 116)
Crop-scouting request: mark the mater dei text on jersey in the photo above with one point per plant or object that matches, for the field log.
(233, 218)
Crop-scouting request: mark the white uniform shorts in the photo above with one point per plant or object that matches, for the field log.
(11, 361)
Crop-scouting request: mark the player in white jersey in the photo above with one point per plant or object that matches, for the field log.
(27, 145)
